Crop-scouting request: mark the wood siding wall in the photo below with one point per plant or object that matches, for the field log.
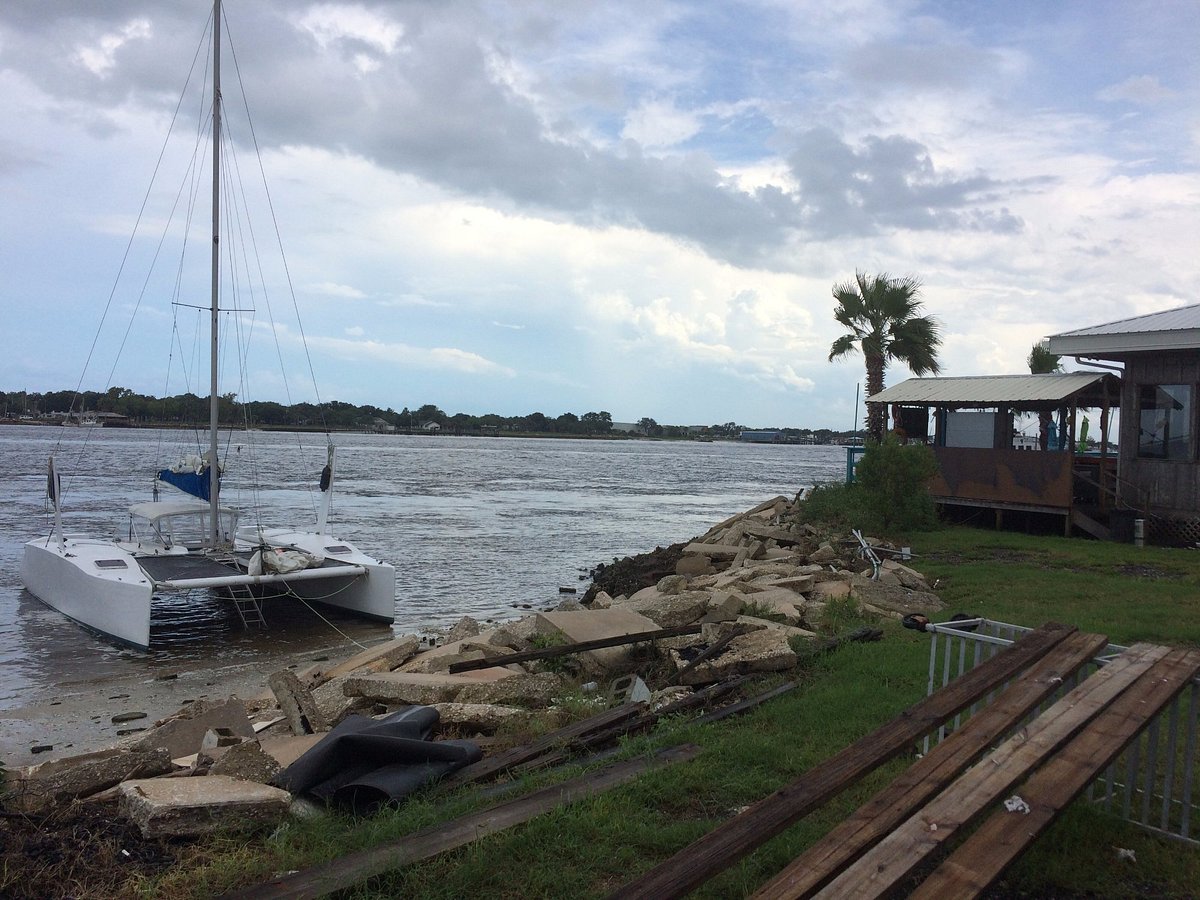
(1170, 487)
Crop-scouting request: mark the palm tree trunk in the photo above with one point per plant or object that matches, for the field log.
(876, 412)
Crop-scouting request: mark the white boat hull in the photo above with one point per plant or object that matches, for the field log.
(100, 585)
(372, 596)
(114, 601)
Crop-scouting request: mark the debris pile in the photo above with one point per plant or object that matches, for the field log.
(668, 631)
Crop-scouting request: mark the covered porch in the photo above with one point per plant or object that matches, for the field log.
(985, 462)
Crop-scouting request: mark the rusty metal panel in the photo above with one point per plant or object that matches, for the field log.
(1027, 477)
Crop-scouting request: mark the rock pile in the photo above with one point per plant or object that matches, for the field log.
(741, 599)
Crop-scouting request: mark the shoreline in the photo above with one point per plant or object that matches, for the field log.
(80, 719)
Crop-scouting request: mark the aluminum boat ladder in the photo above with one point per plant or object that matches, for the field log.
(247, 605)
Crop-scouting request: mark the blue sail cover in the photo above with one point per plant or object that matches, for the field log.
(195, 483)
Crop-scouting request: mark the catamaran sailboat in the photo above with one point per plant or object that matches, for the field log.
(193, 542)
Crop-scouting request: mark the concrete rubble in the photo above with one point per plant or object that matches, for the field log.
(757, 585)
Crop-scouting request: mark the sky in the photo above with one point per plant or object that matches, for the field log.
(637, 208)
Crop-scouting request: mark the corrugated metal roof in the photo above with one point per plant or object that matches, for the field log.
(988, 390)
(1179, 319)
(1172, 329)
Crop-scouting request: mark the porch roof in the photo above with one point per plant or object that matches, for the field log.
(1087, 389)
(1172, 329)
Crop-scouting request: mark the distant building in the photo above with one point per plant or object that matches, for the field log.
(761, 437)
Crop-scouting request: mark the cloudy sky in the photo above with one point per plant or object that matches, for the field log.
(579, 206)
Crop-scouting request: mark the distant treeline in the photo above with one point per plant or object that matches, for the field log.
(334, 415)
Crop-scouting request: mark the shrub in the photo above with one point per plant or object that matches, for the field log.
(834, 506)
(893, 479)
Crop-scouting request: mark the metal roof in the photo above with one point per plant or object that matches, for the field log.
(1172, 329)
(989, 390)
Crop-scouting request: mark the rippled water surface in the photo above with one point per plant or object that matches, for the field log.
(474, 526)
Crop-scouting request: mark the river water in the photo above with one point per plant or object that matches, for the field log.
(484, 527)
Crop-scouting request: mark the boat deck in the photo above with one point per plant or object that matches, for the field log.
(171, 568)
(189, 567)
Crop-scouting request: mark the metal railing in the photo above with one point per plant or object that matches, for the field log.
(1151, 783)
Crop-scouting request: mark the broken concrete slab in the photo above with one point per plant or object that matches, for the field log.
(690, 566)
(713, 551)
(36, 788)
(592, 625)
(777, 602)
(332, 701)
(764, 650)
(183, 733)
(188, 807)
(285, 749)
(464, 628)
(789, 630)
(485, 718)
(723, 606)
(297, 703)
(247, 761)
(909, 578)
(418, 688)
(669, 610)
(895, 598)
(380, 658)
(525, 690)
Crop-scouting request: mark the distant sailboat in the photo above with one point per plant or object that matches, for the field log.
(193, 541)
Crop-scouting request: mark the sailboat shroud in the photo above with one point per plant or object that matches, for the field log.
(194, 542)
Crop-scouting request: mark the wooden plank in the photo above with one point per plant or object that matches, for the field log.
(643, 722)
(732, 840)
(469, 665)
(927, 776)
(494, 765)
(709, 652)
(356, 867)
(981, 859)
(881, 868)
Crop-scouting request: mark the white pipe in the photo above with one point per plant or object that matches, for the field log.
(179, 584)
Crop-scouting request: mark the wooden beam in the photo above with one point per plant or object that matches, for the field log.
(495, 765)
(469, 665)
(1005, 836)
(644, 722)
(879, 870)
(353, 868)
(927, 776)
(723, 846)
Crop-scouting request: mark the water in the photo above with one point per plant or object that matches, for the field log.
(474, 526)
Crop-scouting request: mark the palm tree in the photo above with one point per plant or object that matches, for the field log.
(883, 315)
(1042, 362)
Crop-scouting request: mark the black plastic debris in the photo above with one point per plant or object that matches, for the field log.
(365, 762)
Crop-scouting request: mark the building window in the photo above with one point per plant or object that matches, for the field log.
(1165, 421)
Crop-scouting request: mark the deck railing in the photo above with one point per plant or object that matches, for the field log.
(1151, 784)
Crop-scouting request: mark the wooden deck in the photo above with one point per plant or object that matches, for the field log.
(1017, 787)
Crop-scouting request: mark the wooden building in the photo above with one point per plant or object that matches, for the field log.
(1159, 455)
(984, 462)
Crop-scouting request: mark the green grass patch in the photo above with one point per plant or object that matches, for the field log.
(589, 848)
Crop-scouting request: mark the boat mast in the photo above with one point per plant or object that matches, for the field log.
(214, 407)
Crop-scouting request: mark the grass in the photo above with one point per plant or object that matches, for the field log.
(591, 847)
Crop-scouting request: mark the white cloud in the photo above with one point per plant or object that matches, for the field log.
(658, 123)
(100, 57)
(331, 289)
(1143, 90)
(330, 23)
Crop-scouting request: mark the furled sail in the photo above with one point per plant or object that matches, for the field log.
(191, 476)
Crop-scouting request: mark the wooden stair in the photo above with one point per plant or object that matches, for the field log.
(1086, 523)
